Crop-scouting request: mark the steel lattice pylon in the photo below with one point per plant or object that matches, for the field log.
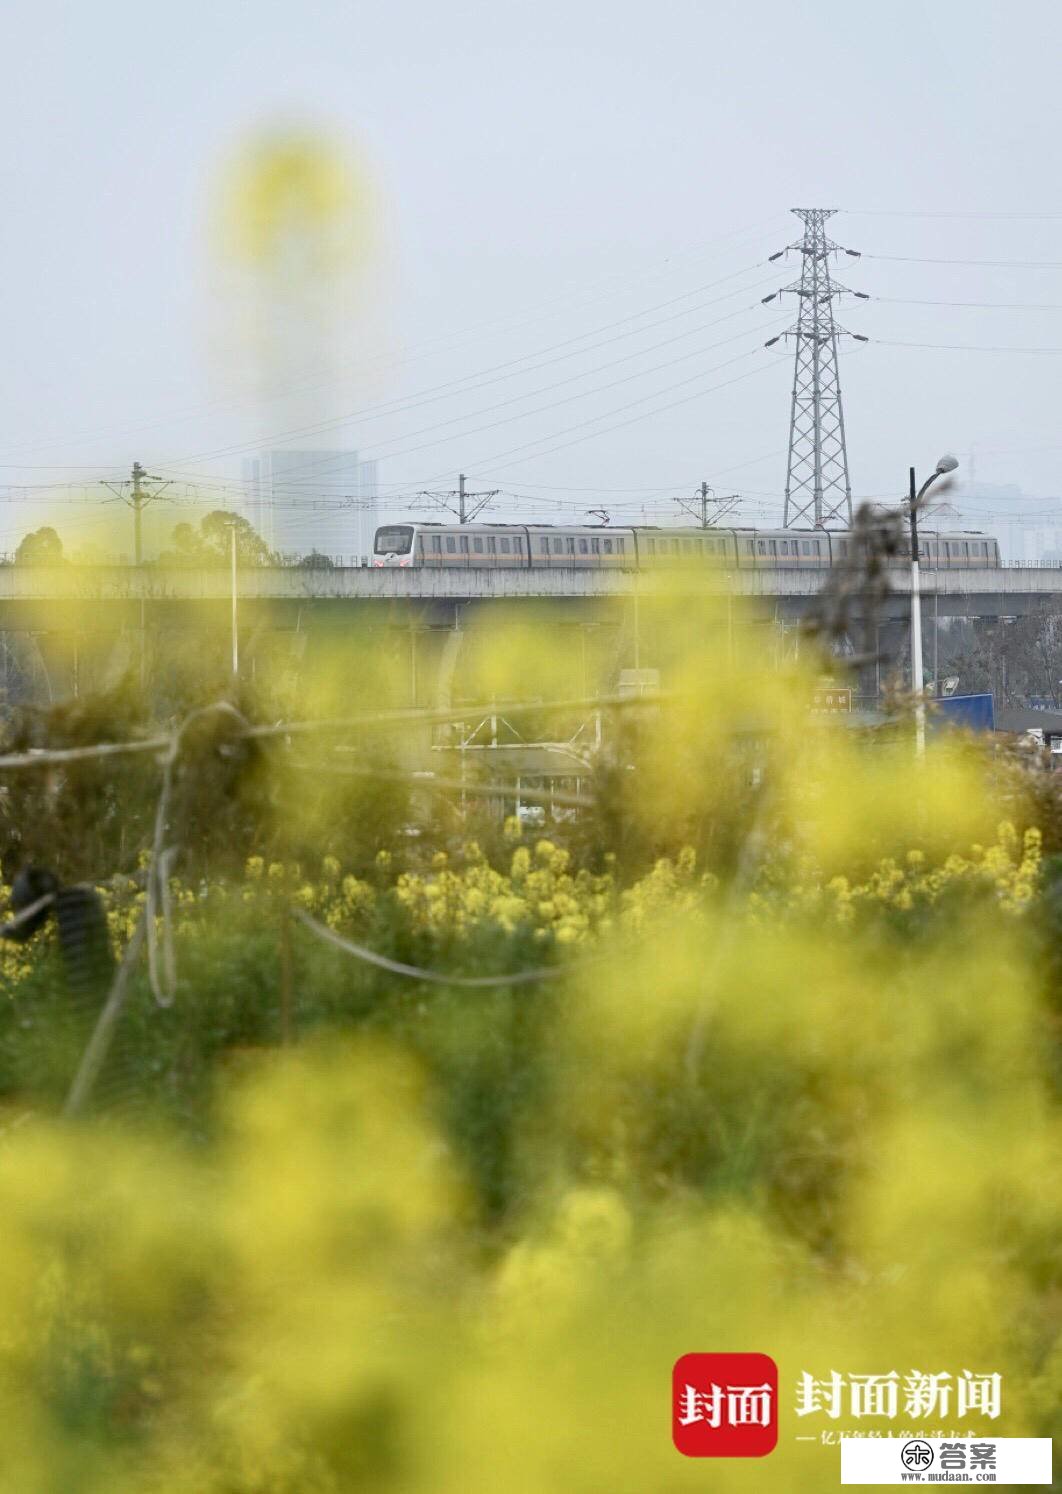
(817, 488)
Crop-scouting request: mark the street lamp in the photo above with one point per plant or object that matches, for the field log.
(946, 464)
(235, 635)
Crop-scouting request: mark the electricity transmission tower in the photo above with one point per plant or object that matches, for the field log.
(464, 505)
(817, 487)
(708, 507)
(138, 497)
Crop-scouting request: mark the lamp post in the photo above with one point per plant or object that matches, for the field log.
(946, 464)
(235, 634)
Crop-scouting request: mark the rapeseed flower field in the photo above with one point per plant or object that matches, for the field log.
(788, 1085)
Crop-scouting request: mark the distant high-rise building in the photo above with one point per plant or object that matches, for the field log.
(312, 500)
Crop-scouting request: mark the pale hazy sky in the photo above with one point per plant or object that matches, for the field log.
(543, 172)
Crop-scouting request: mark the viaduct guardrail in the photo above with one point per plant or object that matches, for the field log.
(1019, 585)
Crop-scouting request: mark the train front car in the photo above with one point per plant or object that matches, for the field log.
(394, 545)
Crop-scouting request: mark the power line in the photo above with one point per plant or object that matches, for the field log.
(427, 348)
(997, 264)
(913, 213)
(552, 404)
(497, 371)
(984, 305)
(645, 414)
(963, 347)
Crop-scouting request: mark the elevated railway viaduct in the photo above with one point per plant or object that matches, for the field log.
(65, 631)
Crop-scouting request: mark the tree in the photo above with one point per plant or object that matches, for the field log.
(1016, 660)
(41, 547)
(211, 543)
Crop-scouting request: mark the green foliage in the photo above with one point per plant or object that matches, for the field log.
(40, 547)
(211, 543)
(791, 1084)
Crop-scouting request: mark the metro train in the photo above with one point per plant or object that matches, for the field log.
(600, 547)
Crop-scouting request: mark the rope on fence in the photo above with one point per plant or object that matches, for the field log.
(437, 977)
(13, 925)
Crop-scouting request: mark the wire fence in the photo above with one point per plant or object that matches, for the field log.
(84, 941)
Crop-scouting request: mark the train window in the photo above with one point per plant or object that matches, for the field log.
(543, 545)
(492, 545)
(558, 545)
(464, 544)
(504, 542)
(748, 547)
(608, 547)
(595, 546)
(436, 544)
(785, 547)
(569, 544)
(761, 547)
(774, 546)
(805, 547)
(620, 545)
(477, 545)
(451, 544)
(818, 546)
(584, 548)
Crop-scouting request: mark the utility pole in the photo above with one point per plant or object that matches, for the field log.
(817, 486)
(706, 499)
(138, 508)
(138, 498)
(458, 501)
